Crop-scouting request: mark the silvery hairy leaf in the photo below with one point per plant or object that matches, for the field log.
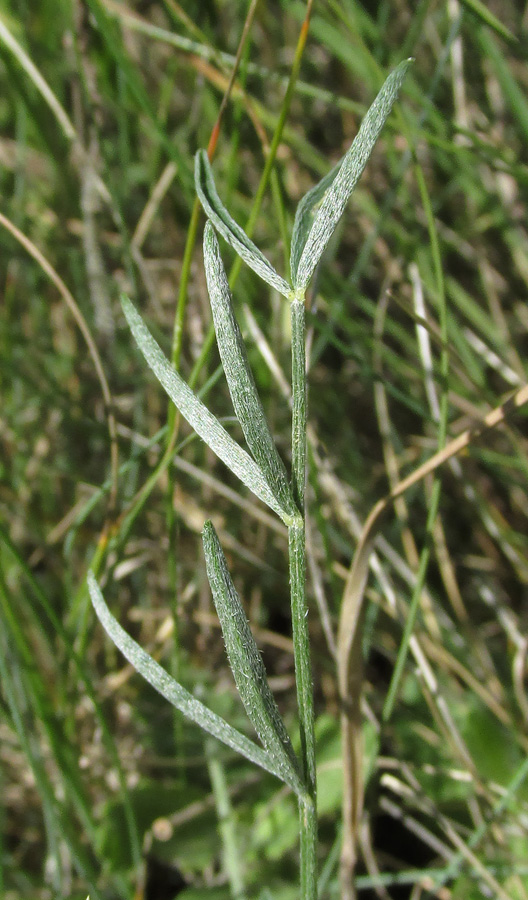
(346, 179)
(169, 688)
(246, 664)
(244, 394)
(231, 230)
(198, 416)
(304, 217)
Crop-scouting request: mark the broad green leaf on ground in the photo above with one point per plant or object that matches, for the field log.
(346, 179)
(162, 682)
(231, 230)
(246, 664)
(244, 394)
(198, 416)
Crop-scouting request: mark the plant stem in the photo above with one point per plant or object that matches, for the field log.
(303, 678)
(298, 402)
(308, 844)
(301, 640)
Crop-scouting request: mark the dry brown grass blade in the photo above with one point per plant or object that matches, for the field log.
(350, 663)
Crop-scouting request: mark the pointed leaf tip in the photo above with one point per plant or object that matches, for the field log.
(334, 196)
(169, 688)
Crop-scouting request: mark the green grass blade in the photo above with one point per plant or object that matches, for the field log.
(350, 171)
(39, 598)
(242, 388)
(231, 230)
(509, 793)
(233, 859)
(111, 35)
(57, 820)
(165, 685)
(486, 16)
(247, 666)
(514, 93)
(198, 416)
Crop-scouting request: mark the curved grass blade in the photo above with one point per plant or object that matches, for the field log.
(304, 217)
(39, 599)
(165, 685)
(111, 36)
(198, 416)
(59, 827)
(242, 388)
(486, 16)
(350, 171)
(231, 230)
(247, 666)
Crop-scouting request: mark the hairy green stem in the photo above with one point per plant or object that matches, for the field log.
(298, 402)
(301, 639)
(303, 678)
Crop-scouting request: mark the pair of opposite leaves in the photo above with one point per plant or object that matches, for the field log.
(316, 218)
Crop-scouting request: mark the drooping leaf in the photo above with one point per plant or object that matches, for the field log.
(246, 664)
(198, 416)
(346, 179)
(166, 685)
(231, 230)
(244, 395)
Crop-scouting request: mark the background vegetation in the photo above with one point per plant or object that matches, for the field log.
(103, 105)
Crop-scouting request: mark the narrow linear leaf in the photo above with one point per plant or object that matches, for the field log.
(231, 230)
(346, 179)
(17, 704)
(304, 216)
(165, 685)
(480, 10)
(111, 36)
(512, 90)
(242, 388)
(198, 416)
(247, 666)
